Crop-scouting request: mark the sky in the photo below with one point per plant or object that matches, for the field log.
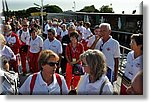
(118, 5)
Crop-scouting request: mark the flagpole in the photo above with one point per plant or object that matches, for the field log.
(7, 13)
(3, 9)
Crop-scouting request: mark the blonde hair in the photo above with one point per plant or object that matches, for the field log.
(96, 61)
(2, 39)
(8, 27)
(44, 56)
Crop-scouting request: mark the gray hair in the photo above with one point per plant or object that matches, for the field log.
(96, 61)
(106, 24)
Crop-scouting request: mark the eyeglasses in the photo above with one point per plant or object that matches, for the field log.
(52, 63)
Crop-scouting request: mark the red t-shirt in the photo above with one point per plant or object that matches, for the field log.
(75, 52)
(15, 48)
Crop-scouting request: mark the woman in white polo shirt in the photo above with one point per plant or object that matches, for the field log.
(5, 50)
(95, 81)
(35, 44)
(134, 60)
(46, 82)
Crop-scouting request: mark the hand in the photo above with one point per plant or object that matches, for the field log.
(10, 45)
(28, 58)
(97, 37)
(72, 63)
(72, 91)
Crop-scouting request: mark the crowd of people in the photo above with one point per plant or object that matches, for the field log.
(53, 54)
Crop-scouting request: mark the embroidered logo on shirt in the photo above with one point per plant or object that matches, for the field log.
(108, 49)
(138, 64)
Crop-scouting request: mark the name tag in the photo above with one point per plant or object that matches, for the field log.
(74, 59)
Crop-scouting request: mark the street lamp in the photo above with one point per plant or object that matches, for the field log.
(41, 6)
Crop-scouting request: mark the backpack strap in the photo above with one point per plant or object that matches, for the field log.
(34, 79)
(32, 83)
(70, 51)
(59, 82)
(20, 33)
(102, 86)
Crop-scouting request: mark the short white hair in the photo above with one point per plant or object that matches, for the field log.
(105, 24)
(64, 25)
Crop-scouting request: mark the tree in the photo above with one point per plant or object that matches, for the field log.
(53, 9)
(33, 9)
(27, 12)
(106, 9)
(89, 9)
(21, 13)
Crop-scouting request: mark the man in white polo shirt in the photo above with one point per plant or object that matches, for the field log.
(51, 43)
(95, 38)
(47, 26)
(110, 48)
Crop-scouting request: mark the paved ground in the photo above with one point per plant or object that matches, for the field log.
(118, 84)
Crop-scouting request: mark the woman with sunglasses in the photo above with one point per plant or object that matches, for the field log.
(46, 81)
(94, 81)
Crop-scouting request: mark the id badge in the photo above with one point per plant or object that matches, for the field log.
(74, 59)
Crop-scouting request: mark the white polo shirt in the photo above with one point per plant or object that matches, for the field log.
(58, 30)
(111, 50)
(86, 88)
(41, 87)
(86, 33)
(63, 33)
(35, 44)
(24, 37)
(91, 41)
(8, 53)
(133, 65)
(10, 39)
(81, 29)
(55, 46)
(46, 28)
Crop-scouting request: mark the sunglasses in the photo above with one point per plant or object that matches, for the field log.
(52, 63)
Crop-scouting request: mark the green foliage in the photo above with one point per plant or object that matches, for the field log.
(53, 9)
(103, 9)
(106, 9)
(89, 9)
(33, 9)
(27, 12)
